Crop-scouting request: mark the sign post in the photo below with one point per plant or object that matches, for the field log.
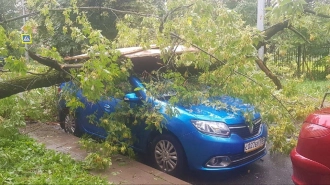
(24, 20)
(26, 39)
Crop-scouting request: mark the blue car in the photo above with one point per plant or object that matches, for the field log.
(199, 136)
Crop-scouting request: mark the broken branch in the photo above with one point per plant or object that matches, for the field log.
(298, 33)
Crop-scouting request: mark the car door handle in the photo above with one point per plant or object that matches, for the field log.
(107, 108)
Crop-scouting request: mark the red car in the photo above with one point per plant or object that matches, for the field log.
(311, 158)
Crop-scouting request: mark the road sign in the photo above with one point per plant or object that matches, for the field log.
(26, 39)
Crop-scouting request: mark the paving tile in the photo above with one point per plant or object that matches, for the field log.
(123, 169)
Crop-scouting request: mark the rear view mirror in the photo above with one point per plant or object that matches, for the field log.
(131, 97)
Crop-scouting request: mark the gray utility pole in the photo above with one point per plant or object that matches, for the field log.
(24, 20)
(260, 24)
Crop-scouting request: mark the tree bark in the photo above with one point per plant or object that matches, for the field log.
(271, 31)
(269, 73)
(21, 84)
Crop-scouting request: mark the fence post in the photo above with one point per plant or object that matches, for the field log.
(299, 61)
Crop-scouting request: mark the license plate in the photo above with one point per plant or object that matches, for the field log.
(253, 145)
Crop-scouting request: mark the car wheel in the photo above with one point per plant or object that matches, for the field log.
(61, 116)
(168, 155)
(70, 125)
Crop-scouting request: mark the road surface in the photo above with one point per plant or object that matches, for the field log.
(271, 169)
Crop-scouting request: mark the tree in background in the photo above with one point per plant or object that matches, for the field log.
(10, 9)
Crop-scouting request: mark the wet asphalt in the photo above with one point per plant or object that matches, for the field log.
(271, 169)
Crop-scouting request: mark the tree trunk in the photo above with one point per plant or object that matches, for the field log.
(21, 84)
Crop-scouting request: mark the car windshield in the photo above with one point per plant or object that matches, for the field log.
(165, 88)
(167, 95)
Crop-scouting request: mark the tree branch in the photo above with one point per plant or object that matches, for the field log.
(260, 64)
(53, 64)
(298, 33)
(161, 27)
(265, 69)
(71, 66)
(199, 48)
(19, 17)
(315, 13)
(81, 8)
(46, 61)
(271, 31)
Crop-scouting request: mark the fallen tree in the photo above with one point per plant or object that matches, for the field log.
(143, 60)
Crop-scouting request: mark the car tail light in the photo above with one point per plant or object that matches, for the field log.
(310, 130)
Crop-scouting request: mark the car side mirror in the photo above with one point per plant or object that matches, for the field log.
(131, 97)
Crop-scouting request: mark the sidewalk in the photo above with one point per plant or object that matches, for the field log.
(123, 169)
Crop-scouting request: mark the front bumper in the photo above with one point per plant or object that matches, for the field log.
(200, 148)
(306, 171)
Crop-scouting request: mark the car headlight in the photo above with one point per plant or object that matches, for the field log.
(211, 127)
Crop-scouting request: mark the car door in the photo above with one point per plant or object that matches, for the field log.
(88, 118)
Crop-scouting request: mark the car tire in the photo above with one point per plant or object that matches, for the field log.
(61, 117)
(71, 126)
(168, 155)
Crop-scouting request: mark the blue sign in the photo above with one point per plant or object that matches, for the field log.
(26, 38)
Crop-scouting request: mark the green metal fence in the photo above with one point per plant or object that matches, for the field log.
(311, 61)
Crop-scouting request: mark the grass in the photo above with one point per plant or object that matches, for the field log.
(314, 89)
(23, 161)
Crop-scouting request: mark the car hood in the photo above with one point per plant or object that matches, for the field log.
(225, 109)
(320, 117)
